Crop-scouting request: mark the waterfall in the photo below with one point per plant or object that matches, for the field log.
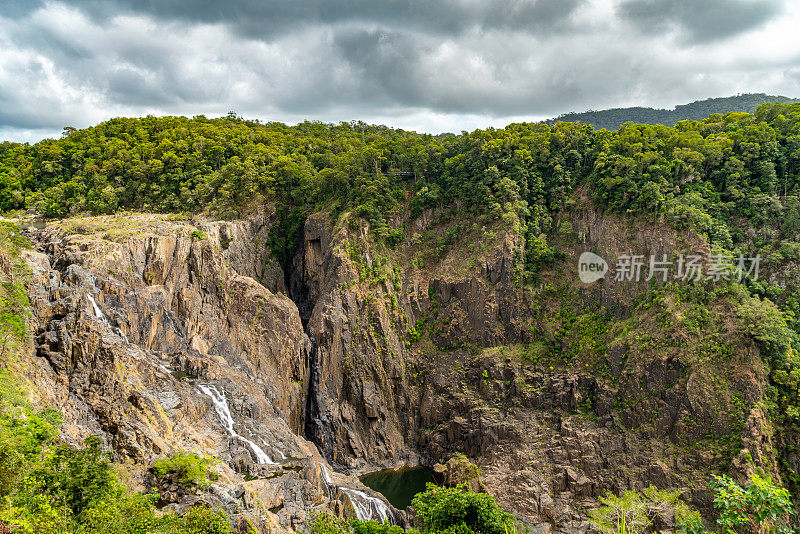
(327, 475)
(365, 506)
(100, 315)
(97, 311)
(317, 425)
(224, 413)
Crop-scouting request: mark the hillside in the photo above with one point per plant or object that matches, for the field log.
(293, 307)
(612, 119)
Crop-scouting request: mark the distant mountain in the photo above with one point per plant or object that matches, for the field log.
(612, 119)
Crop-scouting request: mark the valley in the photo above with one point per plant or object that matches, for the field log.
(304, 347)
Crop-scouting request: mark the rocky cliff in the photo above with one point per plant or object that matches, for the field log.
(162, 335)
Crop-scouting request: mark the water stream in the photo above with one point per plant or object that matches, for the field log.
(366, 506)
(100, 315)
(224, 412)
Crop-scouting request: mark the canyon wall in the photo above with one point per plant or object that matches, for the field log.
(162, 335)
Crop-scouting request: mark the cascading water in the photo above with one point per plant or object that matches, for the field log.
(224, 413)
(97, 311)
(316, 424)
(316, 419)
(100, 315)
(366, 506)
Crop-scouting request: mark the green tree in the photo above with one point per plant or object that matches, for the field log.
(460, 510)
(760, 506)
(633, 512)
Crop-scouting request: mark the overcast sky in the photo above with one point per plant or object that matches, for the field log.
(450, 65)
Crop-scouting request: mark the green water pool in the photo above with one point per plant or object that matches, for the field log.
(398, 485)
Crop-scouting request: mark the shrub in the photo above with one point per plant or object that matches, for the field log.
(325, 523)
(188, 468)
(759, 505)
(373, 527)
(762, 320)
(633, 512)
(460, 510)
(129, 513)
(196, 520)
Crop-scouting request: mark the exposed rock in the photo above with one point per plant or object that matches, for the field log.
(459, 470)
(163, 339)
(369, 360)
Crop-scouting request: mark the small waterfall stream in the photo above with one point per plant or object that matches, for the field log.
(100, 315)
(316, 425)
(311, 423)
(366, 506)
(224, 412)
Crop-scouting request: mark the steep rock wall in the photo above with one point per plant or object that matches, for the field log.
(383, 357)
(163, 335)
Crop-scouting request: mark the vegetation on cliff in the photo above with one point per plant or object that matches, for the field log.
(48, 487)
(731, 180)
(734, 178)
(186, 468)
(758, 506)
(634, 512)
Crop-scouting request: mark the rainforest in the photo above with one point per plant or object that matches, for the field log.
(219, 325)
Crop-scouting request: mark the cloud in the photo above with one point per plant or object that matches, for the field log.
(700, 22)
(271, 18)
(434, 66)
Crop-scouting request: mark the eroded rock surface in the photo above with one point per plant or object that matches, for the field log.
(165, 335)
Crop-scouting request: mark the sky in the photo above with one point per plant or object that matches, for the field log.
(430, 66)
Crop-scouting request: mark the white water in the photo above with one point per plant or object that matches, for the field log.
(262, 440)
(224, 412)
(100, 315)
(365, 506)
(97, 311)
(327, 475)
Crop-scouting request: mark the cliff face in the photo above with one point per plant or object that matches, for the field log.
(422, 354)
(163, 335)
(366, 307)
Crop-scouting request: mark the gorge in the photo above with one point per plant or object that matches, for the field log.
(122, 303)
(323, 319)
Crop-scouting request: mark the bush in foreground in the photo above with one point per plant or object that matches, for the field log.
(51, 488)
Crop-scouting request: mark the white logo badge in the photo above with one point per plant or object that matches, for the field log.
(591, 267)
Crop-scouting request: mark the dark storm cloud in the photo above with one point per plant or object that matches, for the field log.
(437, 65)
(264, 19)
(385, 63)
(700, 21)
(128, 85)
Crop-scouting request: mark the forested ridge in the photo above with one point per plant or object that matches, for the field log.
(612, 119)
(734, 178)
(707, 173)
